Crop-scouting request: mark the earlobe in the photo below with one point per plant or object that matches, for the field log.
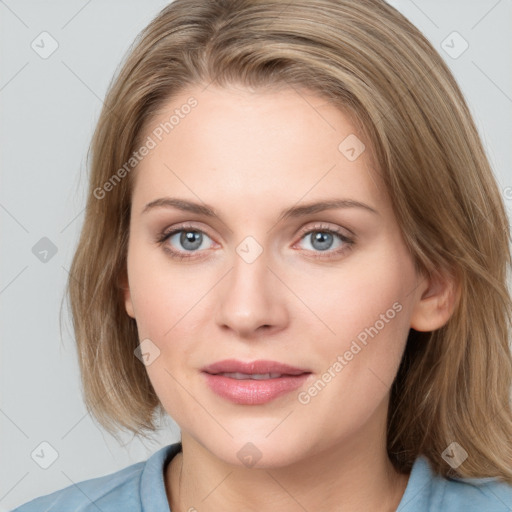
(127, 297)
(436, 305)
(128, 303)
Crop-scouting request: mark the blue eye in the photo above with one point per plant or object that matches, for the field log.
(322, 240)
(190, 240)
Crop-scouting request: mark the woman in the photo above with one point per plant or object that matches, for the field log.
(294, 245)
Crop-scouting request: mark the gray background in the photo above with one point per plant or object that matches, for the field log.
(48, 111)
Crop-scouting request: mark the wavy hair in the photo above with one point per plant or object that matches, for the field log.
(453, 384)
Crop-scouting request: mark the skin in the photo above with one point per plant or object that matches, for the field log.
(250, 155)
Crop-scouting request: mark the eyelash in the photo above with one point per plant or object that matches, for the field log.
(180, 255)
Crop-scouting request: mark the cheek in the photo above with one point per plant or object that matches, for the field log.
(365, 321)
(162, 291)
(164, 305)
(369, 315)
(169, 302)
(372, 289)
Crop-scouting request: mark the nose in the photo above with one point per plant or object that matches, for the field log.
(251, 300)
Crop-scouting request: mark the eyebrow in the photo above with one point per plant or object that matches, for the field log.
(293, 212)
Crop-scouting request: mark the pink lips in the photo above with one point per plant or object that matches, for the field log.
(248, 391)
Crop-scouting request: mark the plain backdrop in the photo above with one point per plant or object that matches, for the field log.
(49, 106)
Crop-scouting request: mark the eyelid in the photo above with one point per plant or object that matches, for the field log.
(168, 232)
(319, 226)
(303, 231)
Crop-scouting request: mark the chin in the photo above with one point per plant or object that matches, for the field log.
(258, 451)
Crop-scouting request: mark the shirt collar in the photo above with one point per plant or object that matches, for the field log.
(152, 486)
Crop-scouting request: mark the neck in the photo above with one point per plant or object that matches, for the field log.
(356, 473)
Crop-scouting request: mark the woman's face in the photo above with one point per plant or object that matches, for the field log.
(329, 291)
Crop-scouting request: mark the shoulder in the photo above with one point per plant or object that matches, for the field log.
(475, 494)
(429, 492)
(104, 492)
(125, 489)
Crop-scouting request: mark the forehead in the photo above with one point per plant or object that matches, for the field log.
(235, 143)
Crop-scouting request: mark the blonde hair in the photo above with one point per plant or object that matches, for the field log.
(453, 384)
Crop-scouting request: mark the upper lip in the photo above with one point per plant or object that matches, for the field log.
(252, 367)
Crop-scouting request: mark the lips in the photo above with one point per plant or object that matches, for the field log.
(253, 383)
(254, 376)
(260, 367)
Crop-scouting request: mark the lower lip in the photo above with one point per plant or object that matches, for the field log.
(252, 391)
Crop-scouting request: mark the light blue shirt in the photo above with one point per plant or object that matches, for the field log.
(140, 488)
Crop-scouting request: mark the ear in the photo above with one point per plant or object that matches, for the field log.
(437, 303)
(124, 285)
